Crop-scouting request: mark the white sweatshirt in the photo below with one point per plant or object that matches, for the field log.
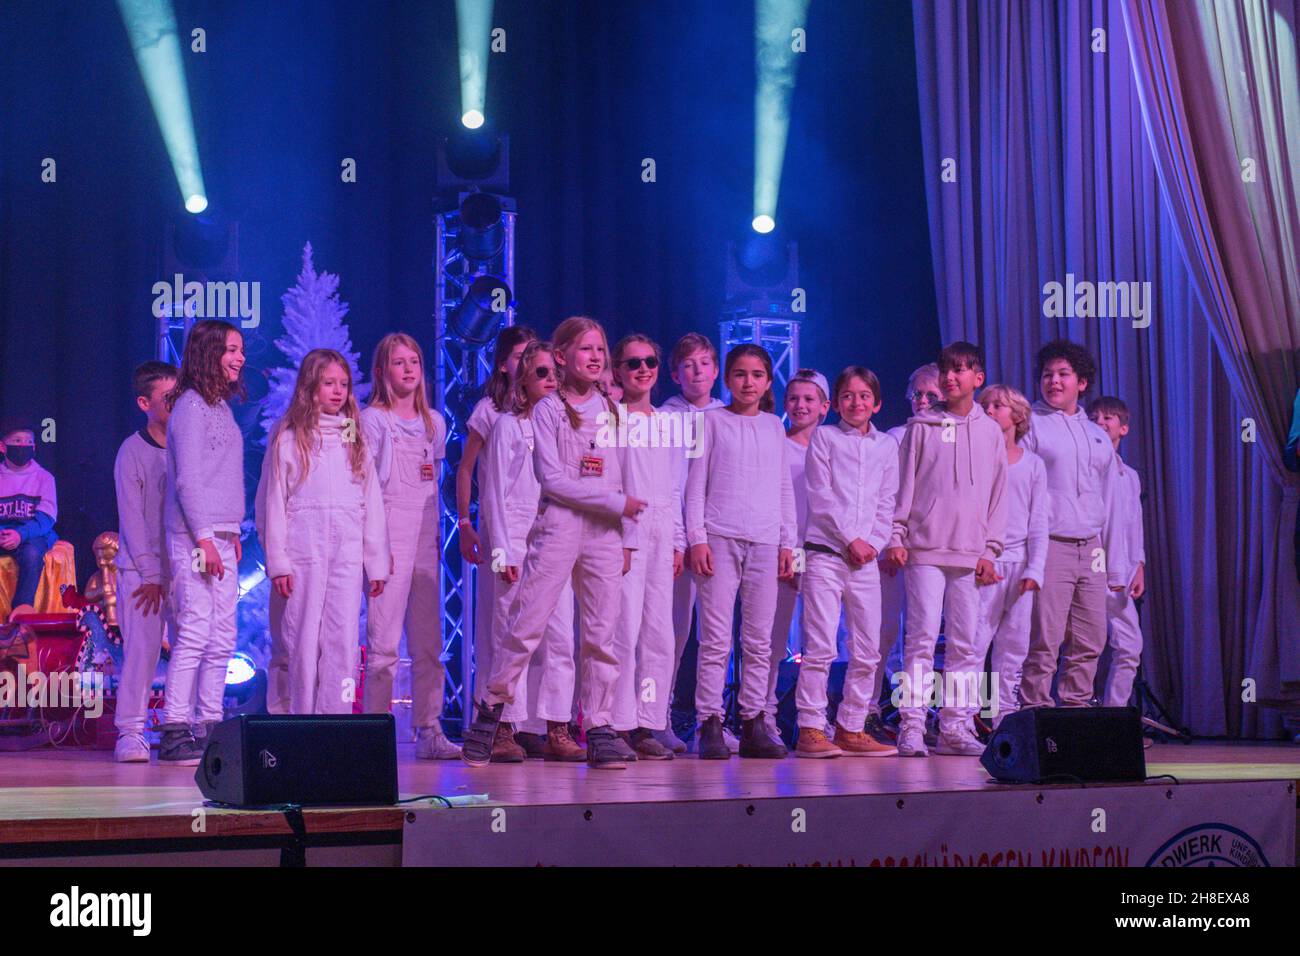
(330, 490)
(739, 487)
(1130, 546)
(510, 490)
(653, 474)
(205, 469)
(852, 479)
(677, 405)
(1027, 507)
(140, 479)
(1080, 462)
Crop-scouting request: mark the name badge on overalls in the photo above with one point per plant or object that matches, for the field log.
(426, 467)
(591, 465)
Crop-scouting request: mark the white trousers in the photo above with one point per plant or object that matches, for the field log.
(142, 638)
(1125, 648)
(787, 623)
(409, 603)
(829, 583)
(893, 604)
(547, 691)
(747, 569)
(644, 641)
(205, 631)
(936, 594)
(321, 626)
(1005, 621)
(566, 545)
(685, 606)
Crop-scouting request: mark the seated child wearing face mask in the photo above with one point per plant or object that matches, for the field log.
(27, 509)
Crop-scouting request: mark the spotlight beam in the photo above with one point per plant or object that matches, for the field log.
(778, 67)
(473, 32)
(151, 28)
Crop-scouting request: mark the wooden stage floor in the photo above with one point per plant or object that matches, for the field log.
(69, 797)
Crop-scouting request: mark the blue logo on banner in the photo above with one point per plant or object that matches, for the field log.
(1210, 844)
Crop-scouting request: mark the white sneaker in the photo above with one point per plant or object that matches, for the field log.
(131, 748)
(730, 740)
(432, 744)
(959, 741)
(911, 741)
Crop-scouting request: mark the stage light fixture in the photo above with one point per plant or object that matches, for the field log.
(764, 224)
(482, 227)
(778, 65)
(151, 28)
(473, 34)
(239, 670)
(482, 311)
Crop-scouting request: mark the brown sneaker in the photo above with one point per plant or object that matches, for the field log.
(504, 748)
(560, 746)
(860, 744)
(813, 743)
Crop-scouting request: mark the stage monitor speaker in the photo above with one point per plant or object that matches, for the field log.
(257, 760)
(1065, 744)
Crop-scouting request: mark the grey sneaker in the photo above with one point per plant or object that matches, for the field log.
(623, 746)
(131, 748)
(911, 742)
(432, 744)
(960, 742)
(647, 747)
(178, 747)
(201, 729)
(602, 753)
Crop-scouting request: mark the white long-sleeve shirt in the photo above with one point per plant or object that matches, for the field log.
(739, 487)
(330, 490)
(140, 480)
(653, 471)
(851, 480)
(1129, 540)
(1027, 508)
(510, 490)
(798, 459)
(692, 423)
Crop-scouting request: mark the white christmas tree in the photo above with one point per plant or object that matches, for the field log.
(313, 319)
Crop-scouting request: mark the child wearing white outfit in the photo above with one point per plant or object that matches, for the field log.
(140, 479)
(202, 513)
(579, 535)
(508, 504)
(476, 544)
(1007, 605)
(693, 364)
(320, 515)
(852, 477)
(1128, 555)
(644, 640)
(922, 392)
(740, 524)
(407, 440)
(949, 523)
(806, 403)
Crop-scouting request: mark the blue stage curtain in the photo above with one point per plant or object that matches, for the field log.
(1054, 175)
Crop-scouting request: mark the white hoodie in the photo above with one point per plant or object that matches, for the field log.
(1081, 473)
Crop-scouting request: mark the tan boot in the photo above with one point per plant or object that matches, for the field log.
(813, 743)
(504, 748)
(861, 744)
(559, 745)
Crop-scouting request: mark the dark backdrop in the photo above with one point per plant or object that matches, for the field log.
(287, 89)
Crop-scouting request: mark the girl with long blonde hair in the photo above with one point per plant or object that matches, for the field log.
(408, 439)
(585, 519)
(321, 519)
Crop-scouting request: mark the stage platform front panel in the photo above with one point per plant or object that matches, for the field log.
(61, 806)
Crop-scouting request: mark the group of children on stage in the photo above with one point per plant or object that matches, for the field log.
(605, 523)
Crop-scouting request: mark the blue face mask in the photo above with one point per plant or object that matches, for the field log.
(19, 455)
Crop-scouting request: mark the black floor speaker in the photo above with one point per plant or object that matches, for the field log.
(258, 760)
(1067, 744)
